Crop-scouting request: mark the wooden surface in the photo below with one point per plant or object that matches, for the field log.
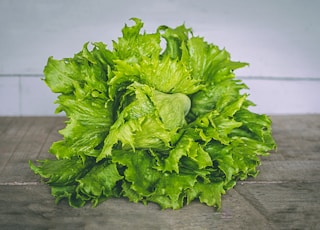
(285, 195)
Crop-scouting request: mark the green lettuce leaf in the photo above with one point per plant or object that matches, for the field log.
(159, 118)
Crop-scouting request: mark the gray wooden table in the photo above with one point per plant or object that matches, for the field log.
(285, 195)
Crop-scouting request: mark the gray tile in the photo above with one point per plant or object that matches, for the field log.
(284, 96)
(36, 97)
(9, 96)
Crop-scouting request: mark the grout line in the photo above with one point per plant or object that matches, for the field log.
(19, 97)
(262, 182)
(275, 78)
(21, 75)
(275, 182)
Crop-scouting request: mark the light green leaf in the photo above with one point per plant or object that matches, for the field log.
(139, 172)
(99, 182)
(209, 194)
(61, 172)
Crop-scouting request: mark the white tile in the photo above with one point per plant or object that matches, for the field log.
(36, 97)
(284, 97)
(278, 38)
(30, 96)
(9, 96)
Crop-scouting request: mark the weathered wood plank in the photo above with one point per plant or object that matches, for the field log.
(32, 207)
(5, 122)
(285, 195)
(297, 137)
(11, 137)
(287, 171)
(52, 137)
(294, 205)
(286, 190)
(298, 155)
(32, 135)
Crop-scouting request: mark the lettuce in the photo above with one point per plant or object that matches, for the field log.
(165, 125)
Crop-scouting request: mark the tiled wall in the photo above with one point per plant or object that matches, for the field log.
(25, 96)
(30, 96)
(280, 40)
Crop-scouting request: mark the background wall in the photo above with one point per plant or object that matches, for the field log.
(279, 38)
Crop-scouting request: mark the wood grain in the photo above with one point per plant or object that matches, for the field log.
(285, 195)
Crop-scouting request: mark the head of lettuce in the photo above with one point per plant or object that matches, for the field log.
(154, 124)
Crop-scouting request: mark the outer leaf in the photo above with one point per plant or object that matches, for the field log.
(209, 194)
(139, 172)
(99, 182)
(174, 37)
(133, 46)
(170, 190)
(55, 170)
(67, 192)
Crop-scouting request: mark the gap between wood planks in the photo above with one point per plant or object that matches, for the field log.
(19, 183)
